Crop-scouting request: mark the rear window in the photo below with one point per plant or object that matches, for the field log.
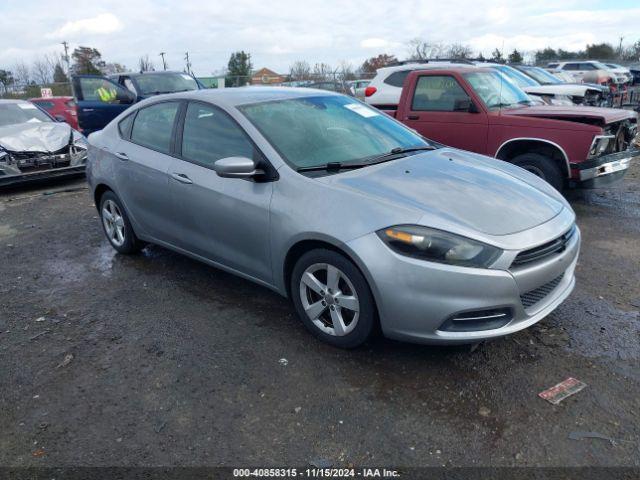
(44, 104)
(396, 79)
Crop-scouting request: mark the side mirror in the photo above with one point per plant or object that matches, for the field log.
(236, 167)
(60, 118)
(465, 105)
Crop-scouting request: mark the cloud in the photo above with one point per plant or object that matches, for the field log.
(374, 43)
(101, 24)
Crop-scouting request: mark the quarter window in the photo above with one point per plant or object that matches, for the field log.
(210, 134)
(396, 79)
(153, 126)
(439, 93)
(124, 127)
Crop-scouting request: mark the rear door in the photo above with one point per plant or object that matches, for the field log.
(144, 155)
(98, 100)
(438, 107)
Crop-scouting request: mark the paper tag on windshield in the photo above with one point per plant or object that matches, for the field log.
(361, 110)
(27, 106)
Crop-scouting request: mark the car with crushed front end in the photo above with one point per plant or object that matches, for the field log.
(336, 205)
(34, 146)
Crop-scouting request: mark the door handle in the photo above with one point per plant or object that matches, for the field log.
(181, 177)
(413, 117)
(122, 156)
(88, 109)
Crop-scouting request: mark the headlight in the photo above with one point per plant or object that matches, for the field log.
(600, 145)
(438, 246)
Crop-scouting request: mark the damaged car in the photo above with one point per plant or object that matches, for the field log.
(34, 146)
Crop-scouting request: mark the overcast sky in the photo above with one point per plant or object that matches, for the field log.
(276, 33)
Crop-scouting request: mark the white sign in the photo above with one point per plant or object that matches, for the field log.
(46, 92)
(361, 110)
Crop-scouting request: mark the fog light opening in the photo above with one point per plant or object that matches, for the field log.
(478, 320)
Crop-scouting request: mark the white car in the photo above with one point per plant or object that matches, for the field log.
(550, 84)
(590, 71)
(620, 70)
(386, 87)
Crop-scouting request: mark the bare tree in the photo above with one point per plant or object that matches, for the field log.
(42, 70)
(300, 70)
(21, 73)
(459, 51)
(145, 64)
(322, 72)
(421, 50)
(345, 72)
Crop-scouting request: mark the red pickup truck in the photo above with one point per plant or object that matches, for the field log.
(478, 110)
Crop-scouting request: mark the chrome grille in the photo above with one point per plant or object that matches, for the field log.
(541, 252)
(536, 295)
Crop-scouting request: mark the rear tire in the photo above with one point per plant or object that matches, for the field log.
(116, 225)
(333, 299)
(543, 167)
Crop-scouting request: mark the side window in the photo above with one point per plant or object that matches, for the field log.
(396, 79)
(571, 66)
(46, 105)
(96, 89)
(153, 126)
(439, 93)
(124, 126)
(210, 134)
(587, 66)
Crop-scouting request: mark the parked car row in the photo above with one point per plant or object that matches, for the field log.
(591, 71)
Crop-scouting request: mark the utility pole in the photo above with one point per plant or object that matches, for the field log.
(66, 56)
(164, 64)
(186, 57)
(620, 47)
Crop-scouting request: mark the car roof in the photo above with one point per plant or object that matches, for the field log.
(154, 72)
(233, 97)
(422, 66)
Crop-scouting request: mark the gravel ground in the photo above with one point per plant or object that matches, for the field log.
(155, 359)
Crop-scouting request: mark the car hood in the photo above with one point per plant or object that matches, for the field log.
(458, 189)
(560, 89)
(571, 113)
(35, 137)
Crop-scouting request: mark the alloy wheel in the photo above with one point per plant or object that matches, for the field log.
(113, 223)
(329, 299)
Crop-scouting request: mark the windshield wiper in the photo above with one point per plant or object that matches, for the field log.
(332, 166)
(385, 157)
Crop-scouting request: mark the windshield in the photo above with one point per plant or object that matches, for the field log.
(600, 66)
(495, 92)
(518, 77)
(155, 83)
(22, 112)
(315, 131)
(543, 76)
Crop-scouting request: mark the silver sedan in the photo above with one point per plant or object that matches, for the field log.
(356, 218)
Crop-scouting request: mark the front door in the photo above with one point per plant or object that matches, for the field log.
(442, 111)
(225, 220)
(99, 100)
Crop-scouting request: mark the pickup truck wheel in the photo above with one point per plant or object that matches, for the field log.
(543, 167)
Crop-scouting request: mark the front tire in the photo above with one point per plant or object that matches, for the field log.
(116, 225)
(543, 167)
(333, 299)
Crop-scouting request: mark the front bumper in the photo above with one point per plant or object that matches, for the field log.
(24, 178)
(416, 299)
(606, 169)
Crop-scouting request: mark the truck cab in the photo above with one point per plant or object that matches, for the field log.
(478, 110)
(101, 98)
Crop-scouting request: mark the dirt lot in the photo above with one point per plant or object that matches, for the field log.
(158, 360)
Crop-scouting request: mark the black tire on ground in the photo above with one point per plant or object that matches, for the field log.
(367, 315)
(542, 166)
(131, 243)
